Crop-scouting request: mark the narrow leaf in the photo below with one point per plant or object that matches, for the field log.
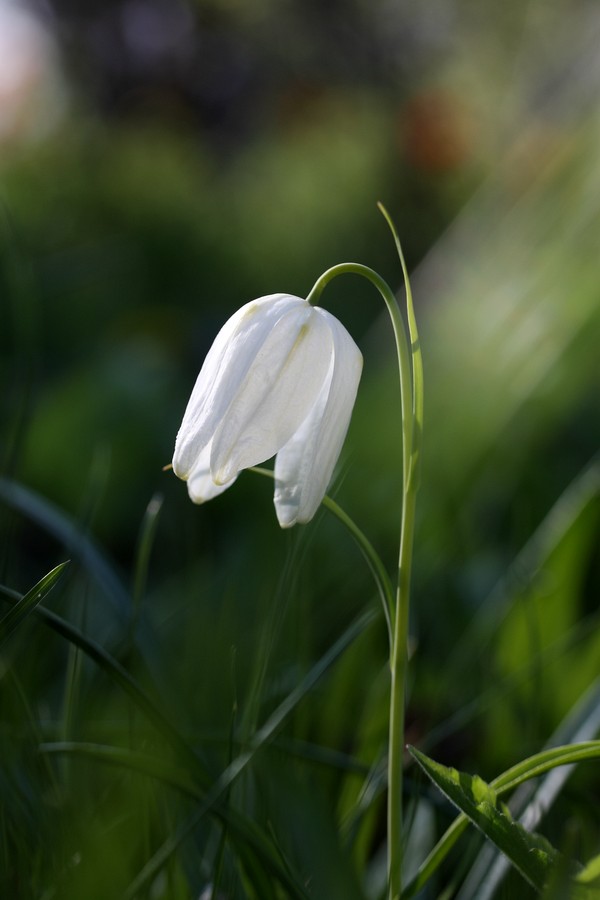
(142, 763)
(536, 765)
(144, 549)
(532, 801)
(531, 854)
(415, 346)
(582, 723)
(29, 601)
(249, 835)
(543, 762)
(244, 832)
(79, 545)
(262, 737)
(590, 874)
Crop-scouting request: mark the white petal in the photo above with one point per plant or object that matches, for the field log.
(224, 370)
(280, 387)
(304, 466)
(201, 486)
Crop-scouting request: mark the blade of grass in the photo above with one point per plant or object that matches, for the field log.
(415, 348)
(261, 738)
(574, 502)
(528, 852)
(144, 549)
(84, 550)
(579, 727)
(120, 676)
(28, 603)
(175, 777)
(531, 802)
(242, 828)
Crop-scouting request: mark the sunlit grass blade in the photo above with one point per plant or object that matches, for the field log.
(531, 802)
(563, 516)
(144, 549)
(545, 761)
(28, 603)
(261, 738)
(531, 854)
(534, 766)
(590, 874)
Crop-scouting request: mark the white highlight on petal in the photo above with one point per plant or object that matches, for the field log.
(201, 486)
(224, 370)
(304, 466)
(280, 387)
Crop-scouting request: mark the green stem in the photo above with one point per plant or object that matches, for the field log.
(401, 344)
(410, 372)
(415, 346)
(398, 667)
(373, 559)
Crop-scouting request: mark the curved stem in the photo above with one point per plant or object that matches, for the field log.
(415, 346)
(373, 559)
(404, 365)
(411, 394)
(398, 667)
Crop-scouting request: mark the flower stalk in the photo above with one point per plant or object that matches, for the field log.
(410, 371)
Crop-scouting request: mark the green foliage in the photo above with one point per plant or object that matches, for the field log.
(531, 854)
(26, 605)
(198, 707)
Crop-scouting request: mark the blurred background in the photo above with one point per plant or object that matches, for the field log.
(161, 163)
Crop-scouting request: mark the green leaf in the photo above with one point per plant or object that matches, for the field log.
(153, 767)
(571, 743)
(590, 874)
(246, 836)
(262, 737)
(531, 854)
(529, 768)
(29, 601)
(543, 762)
(144, 549)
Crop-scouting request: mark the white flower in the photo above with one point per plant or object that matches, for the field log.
(280, 378)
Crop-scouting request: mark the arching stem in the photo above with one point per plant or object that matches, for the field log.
(411, 399)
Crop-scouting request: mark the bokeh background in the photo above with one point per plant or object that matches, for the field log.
(161, 163)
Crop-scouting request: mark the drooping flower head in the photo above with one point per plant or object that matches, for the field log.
(280, 378)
